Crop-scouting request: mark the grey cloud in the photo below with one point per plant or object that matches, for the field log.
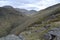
(29, 4)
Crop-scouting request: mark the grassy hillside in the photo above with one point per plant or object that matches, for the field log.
(42, 23)
(10, 19)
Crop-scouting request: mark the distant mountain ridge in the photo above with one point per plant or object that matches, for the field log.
(27, 12)
(23, 11)
(7, 6)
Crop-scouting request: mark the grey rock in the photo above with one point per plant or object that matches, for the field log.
(55, 32)
(12, 37)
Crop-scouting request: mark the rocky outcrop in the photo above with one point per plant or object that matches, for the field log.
(12, 37)
(53, 34)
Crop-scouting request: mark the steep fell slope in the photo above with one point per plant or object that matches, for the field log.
(42, 23)
(9, 19)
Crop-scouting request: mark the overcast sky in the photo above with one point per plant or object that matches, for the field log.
(29, 4)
